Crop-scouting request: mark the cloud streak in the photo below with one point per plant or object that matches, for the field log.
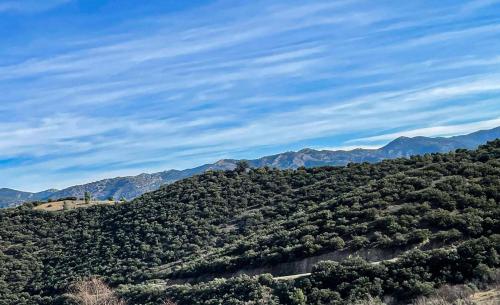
(30, 6)
(181, 89)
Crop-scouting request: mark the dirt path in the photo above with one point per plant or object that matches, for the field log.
(304, 264)
(291, 277)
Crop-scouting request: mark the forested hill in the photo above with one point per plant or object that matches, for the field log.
(134, 186)
(221, 222)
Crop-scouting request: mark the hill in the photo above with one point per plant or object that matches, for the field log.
(10, 197)
(134, 186)
(62, 205)
(397, 228)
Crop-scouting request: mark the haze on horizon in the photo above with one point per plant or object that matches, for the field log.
(96, 89)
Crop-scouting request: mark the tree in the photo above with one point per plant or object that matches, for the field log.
(87, 197)
(298, 297)
(242, 165)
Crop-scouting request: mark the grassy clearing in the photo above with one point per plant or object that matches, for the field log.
(69, 205)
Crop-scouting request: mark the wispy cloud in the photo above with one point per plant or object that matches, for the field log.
(472, 6)
(30, 6)
(225, 80)
(436, 131)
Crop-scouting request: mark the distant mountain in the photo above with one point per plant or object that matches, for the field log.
(10, 197)
(134, 186)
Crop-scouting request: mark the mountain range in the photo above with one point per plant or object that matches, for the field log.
(134, 186)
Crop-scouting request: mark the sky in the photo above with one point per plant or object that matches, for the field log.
(96, 89)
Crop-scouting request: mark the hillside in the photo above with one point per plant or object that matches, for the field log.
(415, 224)
(134, 186)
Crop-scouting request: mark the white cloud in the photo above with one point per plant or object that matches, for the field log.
(436, 131)
(445, 37)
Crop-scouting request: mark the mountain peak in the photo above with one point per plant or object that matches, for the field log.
(223, 162)
(307, 150)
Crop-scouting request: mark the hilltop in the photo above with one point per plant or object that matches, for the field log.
(134, 186)
(398, 228)
(69, 204)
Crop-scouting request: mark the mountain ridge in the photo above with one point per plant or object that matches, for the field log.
(130, 187)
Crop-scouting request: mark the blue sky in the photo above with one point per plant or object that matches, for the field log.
(96, 89)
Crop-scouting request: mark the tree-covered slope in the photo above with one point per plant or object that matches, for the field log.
(221, 222)
(351, 282)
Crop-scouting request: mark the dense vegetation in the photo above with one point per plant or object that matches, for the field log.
(223, 221)
(414, 274)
